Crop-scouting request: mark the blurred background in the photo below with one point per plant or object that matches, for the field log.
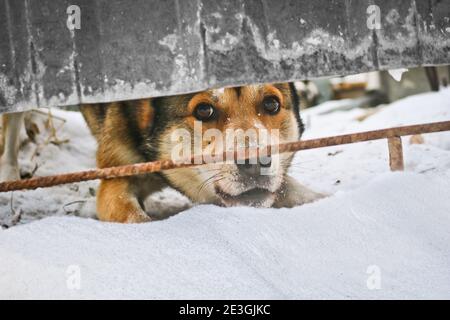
(373, 88)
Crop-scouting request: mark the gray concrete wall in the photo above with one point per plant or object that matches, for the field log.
(141, 48)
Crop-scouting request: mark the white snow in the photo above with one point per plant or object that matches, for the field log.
(397, 74)
(379, 234)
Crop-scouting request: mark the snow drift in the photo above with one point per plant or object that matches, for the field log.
(379, 235)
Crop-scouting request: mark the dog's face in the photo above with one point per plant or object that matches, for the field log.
(257, 115)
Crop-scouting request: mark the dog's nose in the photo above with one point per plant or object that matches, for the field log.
(250, 168)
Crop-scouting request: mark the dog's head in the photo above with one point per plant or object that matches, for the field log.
(215, 120)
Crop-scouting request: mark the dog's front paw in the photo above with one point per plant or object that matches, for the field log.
(138, 218)
(116, 202)
(294, 194)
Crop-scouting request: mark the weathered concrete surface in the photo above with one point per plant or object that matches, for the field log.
(142, 48)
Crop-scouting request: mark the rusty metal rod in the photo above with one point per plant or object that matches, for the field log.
(157, 166)
(396, 154)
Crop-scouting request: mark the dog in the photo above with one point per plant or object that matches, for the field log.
(142, 130)
(137, 131)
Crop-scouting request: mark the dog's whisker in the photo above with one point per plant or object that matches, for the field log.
(216, 178)
(301, 165)
(204, 183)
(214, 181)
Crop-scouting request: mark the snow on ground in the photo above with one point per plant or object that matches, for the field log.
(346, 167)
(376, 225)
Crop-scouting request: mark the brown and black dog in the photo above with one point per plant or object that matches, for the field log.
(142, 130)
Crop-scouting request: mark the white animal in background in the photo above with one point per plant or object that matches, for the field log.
(9, 147)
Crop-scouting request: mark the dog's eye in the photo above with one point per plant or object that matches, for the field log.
(204, 112)
(271, 105)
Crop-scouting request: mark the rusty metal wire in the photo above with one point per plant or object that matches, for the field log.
(157, 166)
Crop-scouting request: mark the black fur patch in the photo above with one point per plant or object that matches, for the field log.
(296, 105)
(238, 91)
(128, 109)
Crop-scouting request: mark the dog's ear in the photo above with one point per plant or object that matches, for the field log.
(295, 98)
